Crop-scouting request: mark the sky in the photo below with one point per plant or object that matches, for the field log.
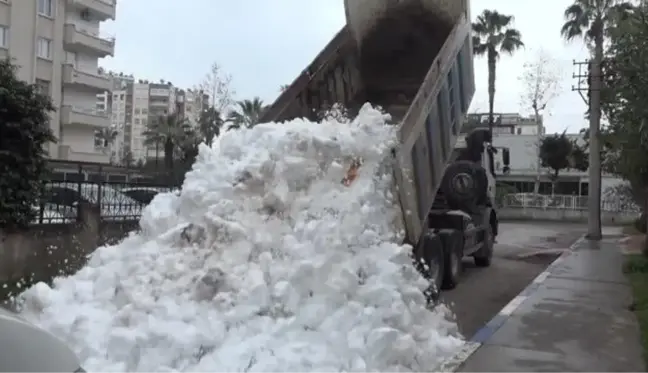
(265, 44)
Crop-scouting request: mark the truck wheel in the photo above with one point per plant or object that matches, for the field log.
(429, 260)
(453, 254)
(484, 256)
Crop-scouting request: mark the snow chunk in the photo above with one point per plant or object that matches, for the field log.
(264, 262)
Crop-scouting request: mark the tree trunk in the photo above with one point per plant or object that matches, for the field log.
(168, 154)
(594, 175)
(491, 89)
(645, 211)
(536, 187)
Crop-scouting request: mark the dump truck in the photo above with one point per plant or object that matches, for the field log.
(414, 59)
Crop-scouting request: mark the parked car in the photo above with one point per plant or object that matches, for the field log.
(52, 214)
(113, 205)
(143, 194)
(28, 348)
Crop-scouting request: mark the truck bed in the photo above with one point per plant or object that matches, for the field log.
(413, 58)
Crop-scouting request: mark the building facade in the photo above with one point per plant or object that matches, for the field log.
(524, 167)
(508, 123)
(57, 45)
(134, 105)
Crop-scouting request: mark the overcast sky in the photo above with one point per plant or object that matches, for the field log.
(263, 44)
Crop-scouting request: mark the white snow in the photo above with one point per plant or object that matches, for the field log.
(264, 262)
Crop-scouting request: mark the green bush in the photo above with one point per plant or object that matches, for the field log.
(25, 133)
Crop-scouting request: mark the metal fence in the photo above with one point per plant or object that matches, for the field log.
(530, 200)
(119, 194)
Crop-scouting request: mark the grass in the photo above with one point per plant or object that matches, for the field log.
(630, 230)
(636, 268)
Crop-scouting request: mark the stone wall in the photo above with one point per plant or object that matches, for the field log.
(47, 250)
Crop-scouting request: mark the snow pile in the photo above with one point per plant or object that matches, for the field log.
(264, 262)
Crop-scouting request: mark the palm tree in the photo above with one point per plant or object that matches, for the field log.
(168, 131)
(106, 136)
(591, 20)
(492, 36)
(210, 124)
(247, 114)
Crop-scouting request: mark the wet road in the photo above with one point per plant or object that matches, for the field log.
(522, 252)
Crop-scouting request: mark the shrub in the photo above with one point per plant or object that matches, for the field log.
(24, 125)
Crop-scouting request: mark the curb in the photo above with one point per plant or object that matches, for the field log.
(453, 363)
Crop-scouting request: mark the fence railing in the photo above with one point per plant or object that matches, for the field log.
(530, 200)
(115, 201)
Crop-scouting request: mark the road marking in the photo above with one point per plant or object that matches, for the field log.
(513, 305)
(541, 277)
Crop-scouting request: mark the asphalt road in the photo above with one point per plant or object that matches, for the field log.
(522, 252)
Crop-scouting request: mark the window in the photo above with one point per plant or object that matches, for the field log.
(137, 111)
(4, 37)
(46, 7)
(44, 48)
(137, 121)
(144, 111)
(43, 86)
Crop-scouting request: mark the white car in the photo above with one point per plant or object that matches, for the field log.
(27, 348)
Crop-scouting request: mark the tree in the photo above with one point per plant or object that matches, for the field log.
(625, 140)
(168, 131)
(591, 20)
(24, 125)
(247, 114)
(210, 124)
(107, 136)
(541, 79)
(217, 85)
(558, 152)
(284, 87)
(492, 36)
(127, 158)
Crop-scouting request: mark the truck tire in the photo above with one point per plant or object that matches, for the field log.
(429, 261)
(484, 256)
(464, 183)
(453, 245)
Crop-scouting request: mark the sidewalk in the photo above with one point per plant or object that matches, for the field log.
(573, 317)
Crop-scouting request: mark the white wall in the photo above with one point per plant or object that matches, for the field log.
(523, 152)
(80, 99)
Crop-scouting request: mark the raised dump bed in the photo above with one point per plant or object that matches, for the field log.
(413, 58)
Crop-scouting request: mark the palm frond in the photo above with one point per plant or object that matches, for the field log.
(511, 41)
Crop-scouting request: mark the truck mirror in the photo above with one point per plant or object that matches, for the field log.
(506, 157)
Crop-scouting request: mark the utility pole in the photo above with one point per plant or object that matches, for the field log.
(588, 77)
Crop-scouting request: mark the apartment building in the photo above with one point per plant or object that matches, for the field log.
(135, 104)
(57, 45)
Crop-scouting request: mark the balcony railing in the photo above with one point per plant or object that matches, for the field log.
(89, 111)
(79, 37)
(96, 80)
(84, 116)
(105, 9)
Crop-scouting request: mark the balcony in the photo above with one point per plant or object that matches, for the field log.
(100, 9)
(78, 39)
(85, 80)
(73, 115)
